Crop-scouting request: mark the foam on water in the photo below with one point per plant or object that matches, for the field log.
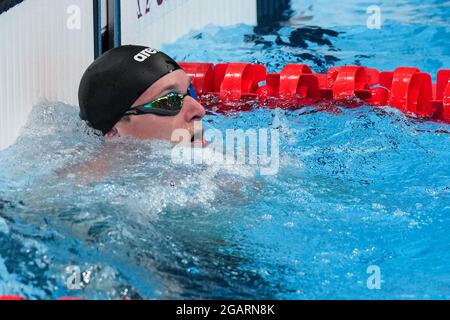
(61, 172)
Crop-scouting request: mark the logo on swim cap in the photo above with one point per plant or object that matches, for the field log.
(145, 54)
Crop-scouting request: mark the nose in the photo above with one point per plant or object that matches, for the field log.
(193, 110)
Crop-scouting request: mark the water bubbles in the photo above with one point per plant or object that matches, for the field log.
(289, 224)
(399, 213)
(377, 206)
(413, 224)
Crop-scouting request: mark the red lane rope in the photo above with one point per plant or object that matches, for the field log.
(406, 88)
(11, 298)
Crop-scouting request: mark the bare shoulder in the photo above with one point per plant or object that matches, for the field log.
(90, 170)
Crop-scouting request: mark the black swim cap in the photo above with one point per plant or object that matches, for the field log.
(113, 82)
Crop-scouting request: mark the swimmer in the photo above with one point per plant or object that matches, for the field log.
(139, 92)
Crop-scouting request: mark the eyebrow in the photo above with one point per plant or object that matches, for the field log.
(174, 87)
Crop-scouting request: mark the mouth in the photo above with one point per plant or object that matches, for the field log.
(198, 138)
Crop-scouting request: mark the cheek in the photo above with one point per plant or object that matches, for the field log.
(180, 121)
(148, 127)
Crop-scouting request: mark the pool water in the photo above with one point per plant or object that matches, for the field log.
(357, 187)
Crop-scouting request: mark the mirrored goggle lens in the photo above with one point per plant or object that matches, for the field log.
(172, 102)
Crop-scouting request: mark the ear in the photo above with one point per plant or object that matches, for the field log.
(113, 133)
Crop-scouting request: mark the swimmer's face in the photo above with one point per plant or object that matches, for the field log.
(150, 126)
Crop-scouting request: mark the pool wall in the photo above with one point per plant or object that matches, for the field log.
(139, 23)
(44, 48)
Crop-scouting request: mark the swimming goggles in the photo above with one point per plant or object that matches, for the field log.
(167, 105)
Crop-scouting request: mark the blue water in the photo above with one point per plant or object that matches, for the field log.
(356, 187)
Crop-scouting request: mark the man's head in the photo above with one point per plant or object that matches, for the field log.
(125, 92)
